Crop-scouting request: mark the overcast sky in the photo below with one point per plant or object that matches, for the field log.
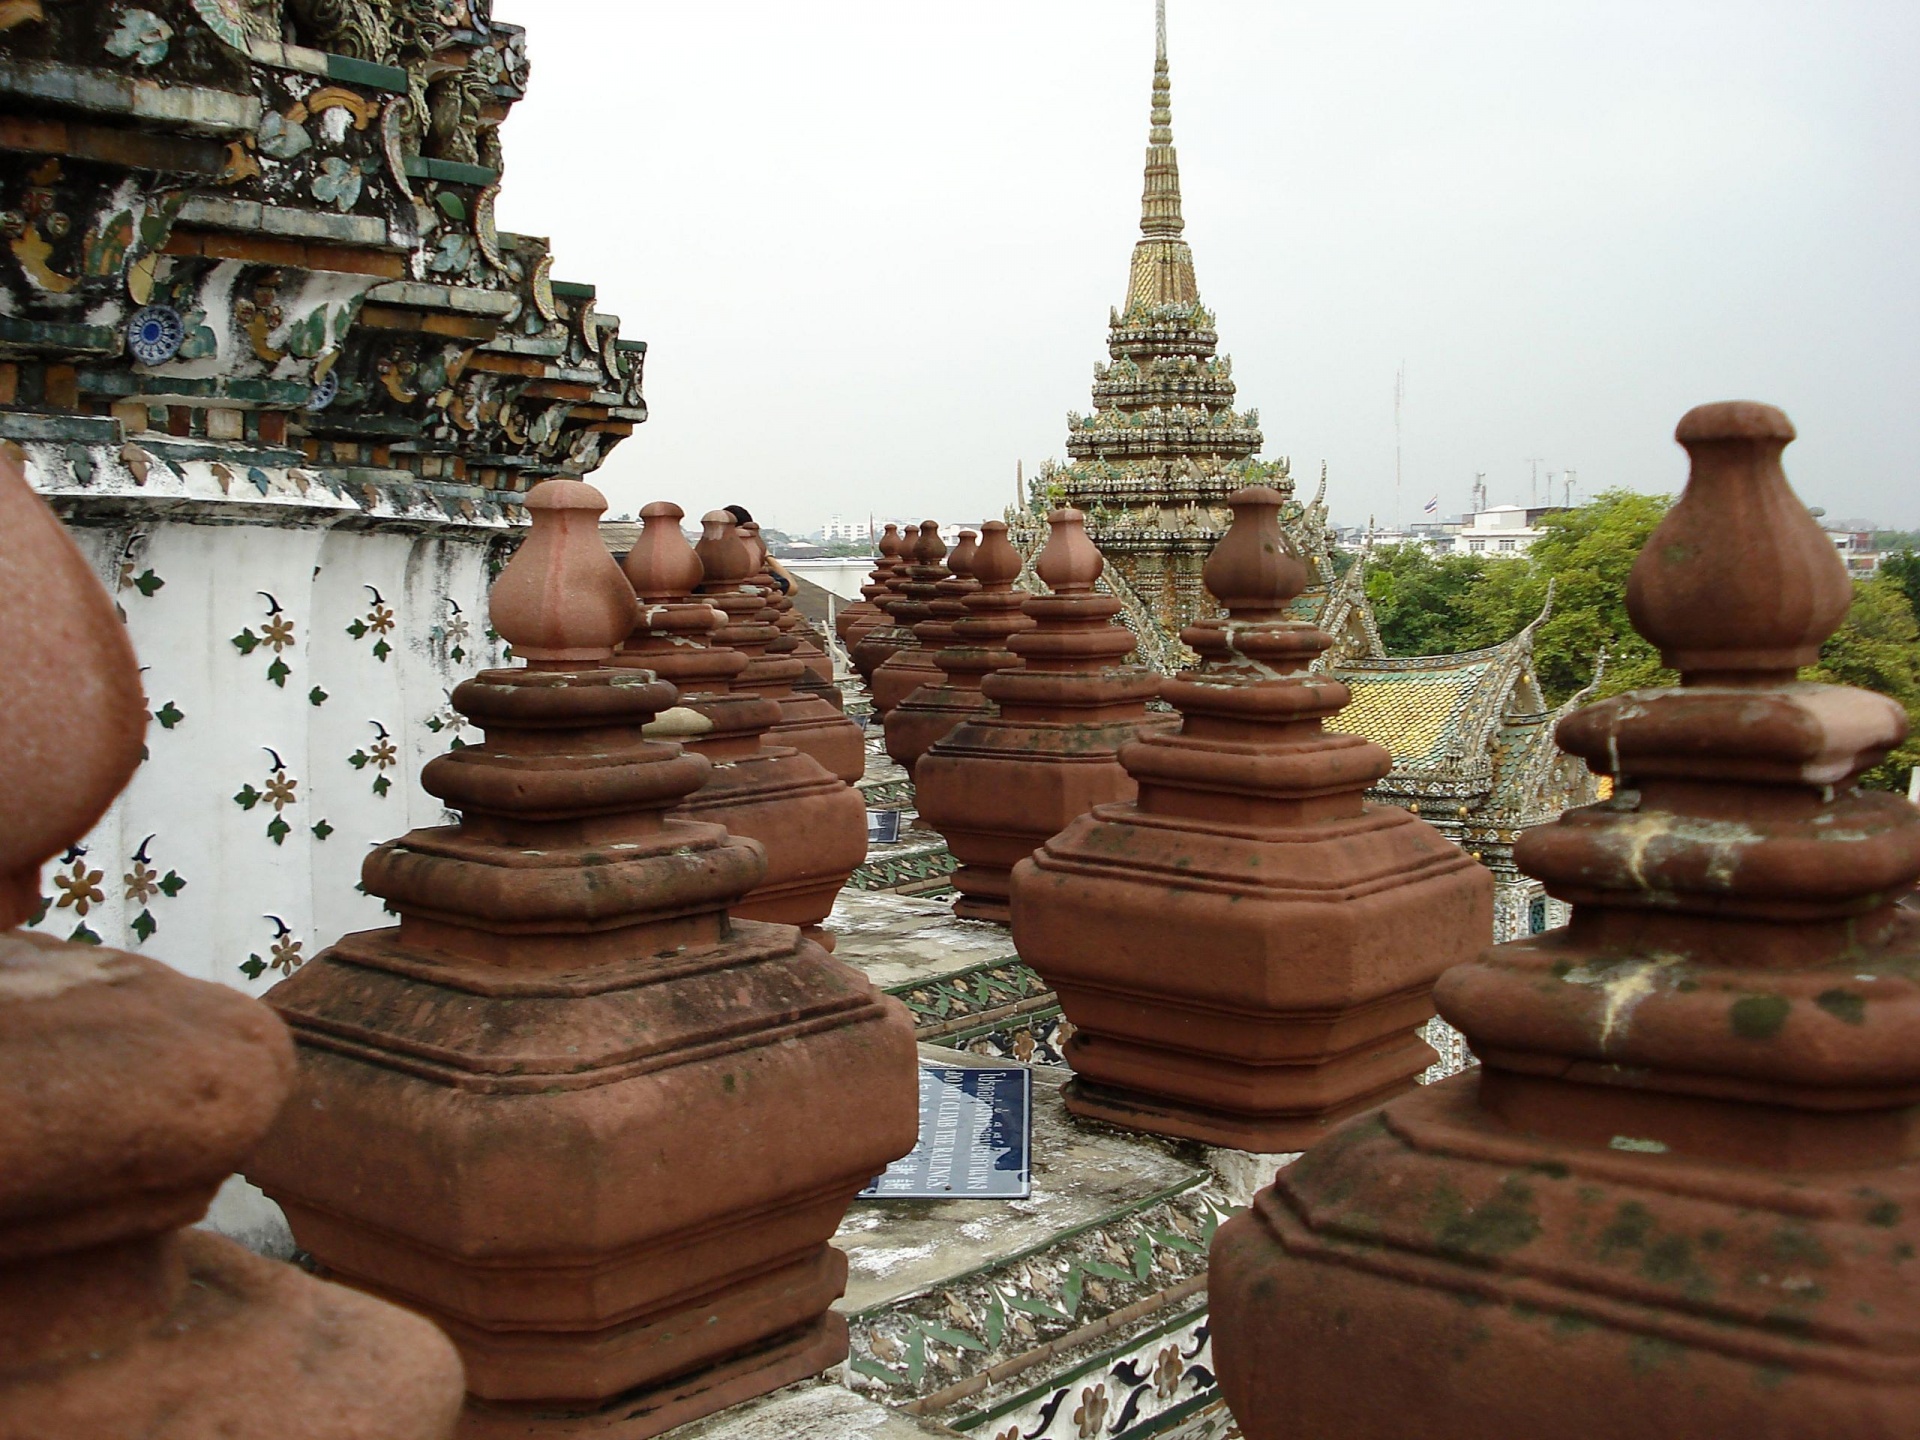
(872, 244)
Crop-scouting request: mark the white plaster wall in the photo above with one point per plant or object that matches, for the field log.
(843, 577)
(224, 560)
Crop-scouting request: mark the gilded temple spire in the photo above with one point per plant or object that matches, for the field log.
(1162, 271)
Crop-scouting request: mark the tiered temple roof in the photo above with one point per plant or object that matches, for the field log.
(1164, 446)
(1471, 737)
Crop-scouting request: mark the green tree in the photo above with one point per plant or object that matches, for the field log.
(1420, 600)
(1427, 605)
(1434, 606)
(1877, 647)
(1903, 568)
(1587, 554)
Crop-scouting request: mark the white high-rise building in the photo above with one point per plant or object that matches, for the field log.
(1502, 530)
(838, 529)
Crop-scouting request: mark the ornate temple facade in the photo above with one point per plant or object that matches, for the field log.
(267, 354)
(1163, 447)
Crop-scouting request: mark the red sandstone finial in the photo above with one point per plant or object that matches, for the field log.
(71, 713)
(1069, 562)
(723, 550)
(960, 559)
(995, 563)
(561, 602)
(749, 531)
(890, 542)
(929, 549)
(662, 565)
(1738, 585)
(1251, 570)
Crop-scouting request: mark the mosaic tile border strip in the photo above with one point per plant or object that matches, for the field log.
(989, 990)
(942, 1349)
(1148, 1388)
(905, 866)
(887, 794)
(1037, 1038)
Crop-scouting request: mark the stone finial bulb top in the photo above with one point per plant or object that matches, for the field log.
(562, 602)
(890, 541)
(929, 548)
(724, 552)
(995, 563)
(1069, 562)
(72, 716)
(662, 565)
(749, 531)
(1738, 584)
(960, 558)
(1252, 571)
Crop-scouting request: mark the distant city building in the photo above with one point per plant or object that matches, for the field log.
(1502, 530)
(1436, 535)
(1857, 549)
(838, 531)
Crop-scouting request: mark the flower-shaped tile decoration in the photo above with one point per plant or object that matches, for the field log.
(283, 954)
(276, 634)
(229, 20)
(155, 334)
(282, 138)
(143, 881)
(338, 183)
(379, 623)
(141, 37)
(280, 790)
(452, 254)
(81, 888)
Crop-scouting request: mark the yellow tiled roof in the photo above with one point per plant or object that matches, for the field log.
(1415, 714)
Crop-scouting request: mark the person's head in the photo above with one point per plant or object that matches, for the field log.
(741, 515)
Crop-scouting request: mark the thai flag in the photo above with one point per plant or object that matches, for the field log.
(1431, 505)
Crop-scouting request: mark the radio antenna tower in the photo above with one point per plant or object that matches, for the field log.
(1399, 395)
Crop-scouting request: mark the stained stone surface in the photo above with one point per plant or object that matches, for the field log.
(810, 1412)
(904, 939)
(1082, 1175)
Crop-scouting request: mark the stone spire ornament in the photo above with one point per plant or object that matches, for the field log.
(912, 604)
(131, 1093)
(1247, 950)
(999, 785)
(796, 636)
(990, 612)
(559, 599)
(960, 560)
(812, 826)
(906, 670)
(596, 1128)
(865, 613)
(1164, 444)
(878, 642)
(1678, 1196)
(1162, 270)
(807, 723)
